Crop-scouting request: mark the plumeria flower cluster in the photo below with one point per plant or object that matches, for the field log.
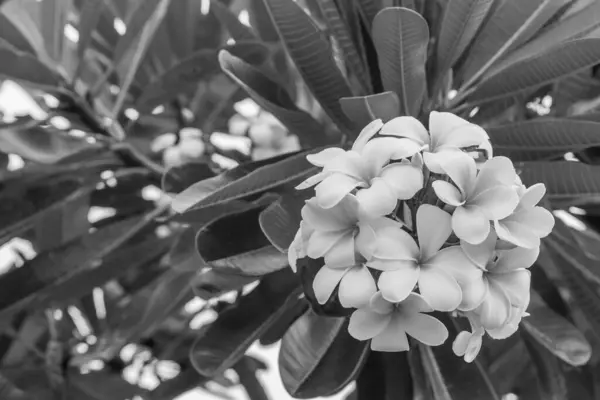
(410, 221)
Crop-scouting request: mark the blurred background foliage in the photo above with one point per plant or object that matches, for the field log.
(107, 294)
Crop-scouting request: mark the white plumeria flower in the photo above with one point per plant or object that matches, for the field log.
(447, 134)
(468, 344)
(528, 222)
(478, 197)
(505, 280)
(367, 166)
(439, 273)
(387, 324)
(356, 285)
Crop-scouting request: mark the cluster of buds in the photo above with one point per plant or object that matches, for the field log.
(410, 221)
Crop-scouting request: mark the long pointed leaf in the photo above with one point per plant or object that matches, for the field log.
(535, 71)
(274, 98)
(313, 56)
(237, 30)
(510, 25)
(461, 21)
(540, 139)
(567, 183)
(25, 68)
(401, 37)
(341, 31)
(88, 20)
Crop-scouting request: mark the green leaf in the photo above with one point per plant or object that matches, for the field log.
(226, 247)
(567, 182)
(462, 19)
(226, 340)
(230, 21)
(540, 139)
(24, 33)
(88, 21)
(132, 46)
(556, 334)
(369, 9)
(539, 69)
(179, 178)
(313, 58)
(9, 391)
(401, 36)
(280, 221)
(271, 96)
(550, 376)
(210, 283)
(182, 25)
(26, 69)
(280, 326)
(54, 15)
(27, 138)
(341, 30)
(289, 171)
(509, 25)
(364, 109)
(572, 89)
(575, 26)
(318, 357)
(385, 376)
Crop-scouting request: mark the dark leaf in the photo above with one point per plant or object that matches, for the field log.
(280, 221)
(273, 97)
(540, 139)
(539, 69)
(369, 9)
(318, 357)
(275, 332)
(211, 283)
(462, 19)
(9, 391)
(88, 20)
(313, 58)
(556, 334)
(566, 182)
(227, 339)
(25, 68)
(198, 191)
(385, 376)
(246, 372)
(551, 378)
(341, 30)
(224, 246)
(401, 36)
(177, 179)
(364, 109)
(285, 172)
(509, 25)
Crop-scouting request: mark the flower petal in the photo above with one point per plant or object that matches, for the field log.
(470, 224)
(366, 134)
(426, 329)
(538, 219)
(377, 200)
(380, 305)
(517, 234)
(342, 253)
(473, 294)
(392, 338)
(515, 284)
(384, 265)
(448, 193)
(365, 324)
(495, 309)
(313, 180)
(324, 156)
(415, 303)
(325, 282)
(366, 239)
(465, 135)
(496, 202)
(517, 258)
(443, 123)
(357, 287)
(320, 242)
(532, 196)
(395, 244)
(403, 179)
(334, 188)
(439, 289)
(349, 163)
(408, 127)
(454, 261)
(460, 167)
(434, 226)
(497, 170)
(481, 254)
(379, 151)
(461, 342)
(340, 217)
(396, 285)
